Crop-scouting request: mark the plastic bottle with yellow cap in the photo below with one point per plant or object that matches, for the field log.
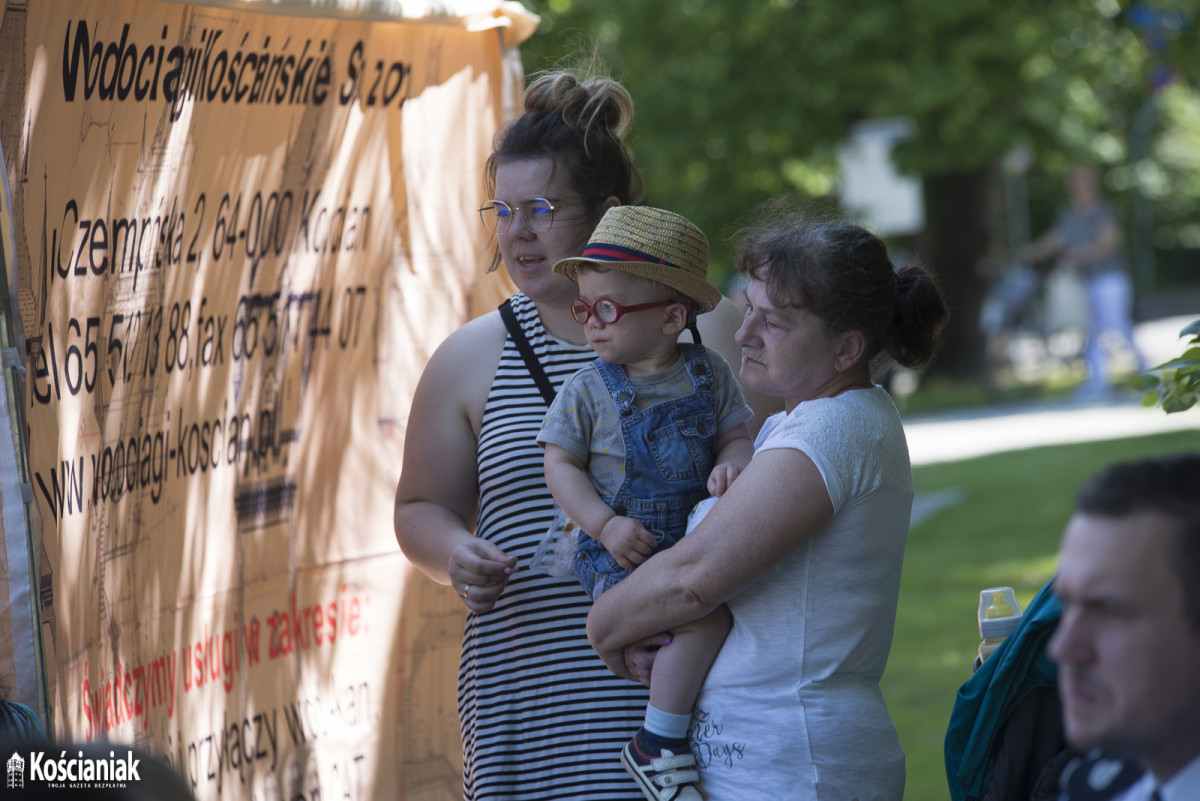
(999, 614)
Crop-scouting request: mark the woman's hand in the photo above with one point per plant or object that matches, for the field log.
(639, 657)
(635, 661)
(479, 572)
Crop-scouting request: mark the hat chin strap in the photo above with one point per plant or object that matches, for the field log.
(693, 327)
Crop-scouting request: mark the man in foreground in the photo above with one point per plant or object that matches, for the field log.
(1128, 642)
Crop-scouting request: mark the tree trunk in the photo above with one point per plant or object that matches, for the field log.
(963, 243)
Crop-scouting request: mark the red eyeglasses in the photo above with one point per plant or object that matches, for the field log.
(608, 311)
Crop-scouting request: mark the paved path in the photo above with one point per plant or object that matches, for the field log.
(995, 429)
(951, 437)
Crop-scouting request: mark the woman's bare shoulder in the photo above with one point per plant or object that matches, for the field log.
(477, 340)
(461, 370)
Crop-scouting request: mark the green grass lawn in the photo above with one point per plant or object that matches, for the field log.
(1004, 531)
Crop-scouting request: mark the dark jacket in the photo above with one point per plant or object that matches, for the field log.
(1005, 741)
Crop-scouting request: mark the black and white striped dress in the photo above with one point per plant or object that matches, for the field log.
(542, 717)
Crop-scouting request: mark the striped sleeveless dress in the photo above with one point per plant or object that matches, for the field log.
(542, 717)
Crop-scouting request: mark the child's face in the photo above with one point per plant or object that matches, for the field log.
(637, 335)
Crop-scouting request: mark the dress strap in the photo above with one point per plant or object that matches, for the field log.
(530, 358)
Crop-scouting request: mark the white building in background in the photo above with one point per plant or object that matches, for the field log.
(869, 185)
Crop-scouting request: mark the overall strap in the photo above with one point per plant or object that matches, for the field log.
(699, 366)
(619, 388)
(531, 363)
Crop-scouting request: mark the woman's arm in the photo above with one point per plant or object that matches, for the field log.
(779, 502)
(437, 496)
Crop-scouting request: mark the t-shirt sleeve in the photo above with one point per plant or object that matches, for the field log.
(853, 440)
(732, 408)
(568, 422)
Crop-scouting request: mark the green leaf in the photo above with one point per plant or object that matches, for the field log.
(1145, 382)
(1180, 403)
(1176, 364)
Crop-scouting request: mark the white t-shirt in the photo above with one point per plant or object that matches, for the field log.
(791, 709)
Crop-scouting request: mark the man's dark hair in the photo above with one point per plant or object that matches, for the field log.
(1164, 485)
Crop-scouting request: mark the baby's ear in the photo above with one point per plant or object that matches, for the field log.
(677, 318)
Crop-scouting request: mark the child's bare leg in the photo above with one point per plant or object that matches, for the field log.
(680, 668)
(658, 755)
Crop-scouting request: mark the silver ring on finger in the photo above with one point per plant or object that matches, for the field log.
(466, 593)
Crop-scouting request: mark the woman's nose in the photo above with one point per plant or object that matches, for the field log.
(517, 228)
(743, 335)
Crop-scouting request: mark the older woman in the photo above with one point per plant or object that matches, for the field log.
(806, 546)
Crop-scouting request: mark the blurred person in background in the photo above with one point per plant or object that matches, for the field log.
(1087, 240)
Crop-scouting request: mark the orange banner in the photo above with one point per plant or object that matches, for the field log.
(239, 237)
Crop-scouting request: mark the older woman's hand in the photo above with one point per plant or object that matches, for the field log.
(639, 657)
(479, 572)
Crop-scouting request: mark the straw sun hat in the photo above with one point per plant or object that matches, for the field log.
(651, 243)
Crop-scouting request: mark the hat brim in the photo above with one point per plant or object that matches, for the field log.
(702, 292)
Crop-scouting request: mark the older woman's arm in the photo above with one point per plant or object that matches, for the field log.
(776, 504)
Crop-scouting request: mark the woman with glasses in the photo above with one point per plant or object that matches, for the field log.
(541, 716)
(805, 547)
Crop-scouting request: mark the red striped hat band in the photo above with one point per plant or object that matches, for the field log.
(599, 252)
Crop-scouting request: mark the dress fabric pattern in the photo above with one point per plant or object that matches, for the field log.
(542, 717)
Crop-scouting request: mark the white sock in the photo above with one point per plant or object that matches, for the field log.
(665, 724)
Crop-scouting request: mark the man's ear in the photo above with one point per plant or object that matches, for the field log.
(677, 318)
(610, 202)
(850, 349)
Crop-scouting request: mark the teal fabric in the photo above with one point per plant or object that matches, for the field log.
(1019, 666)
(19, 722)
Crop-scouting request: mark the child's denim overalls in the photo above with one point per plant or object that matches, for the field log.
(670, 449)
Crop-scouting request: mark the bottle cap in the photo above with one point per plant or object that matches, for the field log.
(999, 612)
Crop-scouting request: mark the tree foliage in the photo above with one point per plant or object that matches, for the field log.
(1174, 385)
(739, 102)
